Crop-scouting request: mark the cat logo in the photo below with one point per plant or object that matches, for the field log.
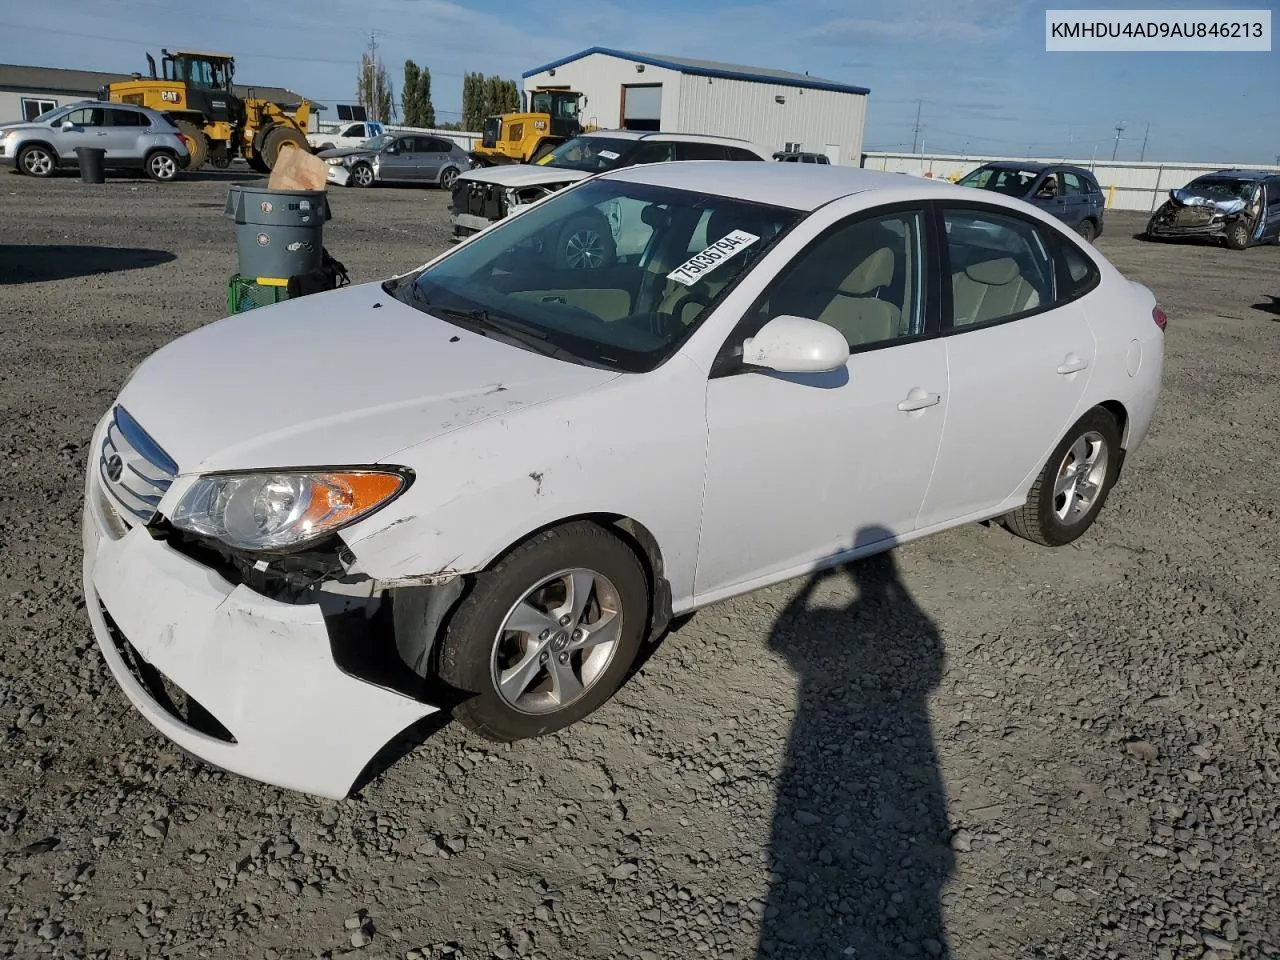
(170, 96)
(539, 124)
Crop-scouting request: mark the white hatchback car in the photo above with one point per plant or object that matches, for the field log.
(482, 485)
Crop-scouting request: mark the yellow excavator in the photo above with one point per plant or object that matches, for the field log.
(549, 119)
(195, 90)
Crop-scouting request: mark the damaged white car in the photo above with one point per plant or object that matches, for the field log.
(483, 484)
(483, 196)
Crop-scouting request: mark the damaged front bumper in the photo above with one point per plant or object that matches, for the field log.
(245, 682)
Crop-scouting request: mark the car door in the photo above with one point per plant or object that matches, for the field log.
(801, 468)
(1047, 194)
(87, 128)
(1272, 200)
(122, 128)
(401, 163)
(1019, 355)
(432, 152)
(1076, 204)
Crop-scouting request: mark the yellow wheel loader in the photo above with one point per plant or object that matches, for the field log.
(195, 90)
(549, 118)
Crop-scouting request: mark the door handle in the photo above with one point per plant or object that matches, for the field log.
(918, 399)
(1072, 364)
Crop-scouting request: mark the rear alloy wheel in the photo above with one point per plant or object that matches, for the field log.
(162, 165)
(547, 635)
(1237, 236)
(1074, 484)
(1087, 231)
(448, 177)
(36, 162)
(362, 175)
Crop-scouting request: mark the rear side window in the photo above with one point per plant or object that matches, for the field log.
(1073, 184)
(738, 153)
(700, 151)
(1077, 274)
(1001, 267)
(127, 118)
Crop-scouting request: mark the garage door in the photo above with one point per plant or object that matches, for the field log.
(642, 106)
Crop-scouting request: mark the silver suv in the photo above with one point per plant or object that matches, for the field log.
(134, 138)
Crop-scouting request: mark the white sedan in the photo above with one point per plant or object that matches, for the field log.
(481, 485)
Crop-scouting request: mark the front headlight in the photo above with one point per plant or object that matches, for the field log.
(273, 511)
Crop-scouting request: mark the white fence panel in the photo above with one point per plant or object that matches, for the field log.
(1129, 185)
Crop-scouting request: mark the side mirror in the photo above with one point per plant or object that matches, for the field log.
(789, 344)
(67, 126)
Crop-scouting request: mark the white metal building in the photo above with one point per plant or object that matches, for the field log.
(773, 108)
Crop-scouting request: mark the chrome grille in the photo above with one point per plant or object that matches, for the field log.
(133, 469)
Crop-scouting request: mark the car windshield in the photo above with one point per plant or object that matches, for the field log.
(1224, 187)
(592, 154)
(609, 273)
(1012, 183)
(378, 142)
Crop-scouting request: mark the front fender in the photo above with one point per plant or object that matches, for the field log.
(636, 450)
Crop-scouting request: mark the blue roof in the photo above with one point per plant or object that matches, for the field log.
(709, 68)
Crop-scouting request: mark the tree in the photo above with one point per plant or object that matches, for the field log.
(487, 97)
(373, 88)
(410, 109)
(415, 96)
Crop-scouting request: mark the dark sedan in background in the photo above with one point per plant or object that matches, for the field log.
(1067, 192)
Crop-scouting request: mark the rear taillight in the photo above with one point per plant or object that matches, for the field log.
(1159, 316)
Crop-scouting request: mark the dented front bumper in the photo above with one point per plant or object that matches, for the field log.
(272, 703)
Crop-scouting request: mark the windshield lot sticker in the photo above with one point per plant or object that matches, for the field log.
(609, 154)
(727, 246)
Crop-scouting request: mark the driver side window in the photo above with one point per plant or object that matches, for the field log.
(864, 277)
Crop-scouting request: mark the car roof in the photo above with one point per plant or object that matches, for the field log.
(801, 187)
(1034, 166)
(665, 135)
(137, 108)
(1240, 174)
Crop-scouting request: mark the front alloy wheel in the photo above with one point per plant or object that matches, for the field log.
(362, 175)
(546, 636)
(36, 162)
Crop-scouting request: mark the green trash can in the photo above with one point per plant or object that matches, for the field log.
(279, 233)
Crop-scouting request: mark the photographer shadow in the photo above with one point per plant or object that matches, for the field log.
(860, 846)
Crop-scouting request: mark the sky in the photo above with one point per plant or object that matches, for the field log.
(976, 70)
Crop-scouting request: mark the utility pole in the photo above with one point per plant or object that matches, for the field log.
(915, 134)
(1119, 130)
(1142, 156)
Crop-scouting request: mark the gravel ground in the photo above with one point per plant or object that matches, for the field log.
(972, 747)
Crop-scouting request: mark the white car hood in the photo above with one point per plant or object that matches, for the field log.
(524, 175)
(348, 377)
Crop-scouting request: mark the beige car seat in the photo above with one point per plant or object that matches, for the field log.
(990, 290)
(856, 309)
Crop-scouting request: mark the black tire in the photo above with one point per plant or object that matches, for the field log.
(448, 176)
(162, 165)
(220, 160)
(1237, 236)
(1037, 520)
(586, 242)
(281, 138)
(256, 162)
(473, 638)
(37, 161)
(361, 175)
(1088, 231)
(197, 143)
